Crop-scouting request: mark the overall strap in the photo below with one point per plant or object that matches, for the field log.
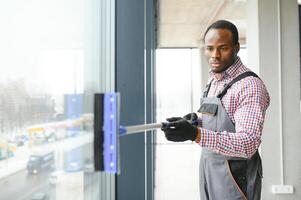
(238, 78)
(205, 94)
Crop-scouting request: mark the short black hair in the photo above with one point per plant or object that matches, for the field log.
(224, 24)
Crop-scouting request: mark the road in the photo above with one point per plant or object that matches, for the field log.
(21, 185)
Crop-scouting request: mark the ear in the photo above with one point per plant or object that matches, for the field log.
(237, 48)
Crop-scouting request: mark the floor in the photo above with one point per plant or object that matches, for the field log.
(176, 173)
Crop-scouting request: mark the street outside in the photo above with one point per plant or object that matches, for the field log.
(17, 184)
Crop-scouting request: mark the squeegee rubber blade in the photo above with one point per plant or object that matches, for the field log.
(98, 132)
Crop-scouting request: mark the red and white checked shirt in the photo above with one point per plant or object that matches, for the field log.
(245, 102)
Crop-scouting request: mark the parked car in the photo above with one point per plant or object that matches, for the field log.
(39, 161)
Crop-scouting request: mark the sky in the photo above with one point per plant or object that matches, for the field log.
(41, 42)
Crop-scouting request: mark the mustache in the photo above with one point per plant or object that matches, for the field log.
(215, 61)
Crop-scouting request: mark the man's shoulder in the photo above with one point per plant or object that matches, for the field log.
(249, 83)
(252, 87)
(245, 76)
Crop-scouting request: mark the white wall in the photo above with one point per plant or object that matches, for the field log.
(273, 44)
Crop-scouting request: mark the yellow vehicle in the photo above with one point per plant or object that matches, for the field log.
(6, 149)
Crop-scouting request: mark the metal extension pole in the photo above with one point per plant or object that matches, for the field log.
(141, 128)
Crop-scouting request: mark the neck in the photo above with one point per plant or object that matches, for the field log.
(218, 76)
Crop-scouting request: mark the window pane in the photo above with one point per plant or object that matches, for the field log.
(178, 93)
(45, 105)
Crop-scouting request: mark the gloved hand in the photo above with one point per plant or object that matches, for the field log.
(179, 130)
(192, 118)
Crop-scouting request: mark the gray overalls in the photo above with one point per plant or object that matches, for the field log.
(223, 177)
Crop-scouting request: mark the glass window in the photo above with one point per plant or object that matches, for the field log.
(178, 92)
(46, 72)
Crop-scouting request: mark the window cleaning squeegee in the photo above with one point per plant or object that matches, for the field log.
(107, 131)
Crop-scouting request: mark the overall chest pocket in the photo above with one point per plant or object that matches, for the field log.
(209, 112)
(208, 109)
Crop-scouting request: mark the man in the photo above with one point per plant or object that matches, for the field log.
(230, 126)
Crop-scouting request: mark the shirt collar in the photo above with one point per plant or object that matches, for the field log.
(230, 72)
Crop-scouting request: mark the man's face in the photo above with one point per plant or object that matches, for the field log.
(219, 49)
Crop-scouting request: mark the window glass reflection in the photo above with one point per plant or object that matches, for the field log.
(45, 126)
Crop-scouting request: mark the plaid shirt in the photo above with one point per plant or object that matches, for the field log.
(245, 102)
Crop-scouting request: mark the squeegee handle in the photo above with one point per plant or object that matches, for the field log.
(144, 127)
(138, 128)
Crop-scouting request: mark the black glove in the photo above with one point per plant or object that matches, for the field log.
(179, 130)
(192, 118)
(174, 119)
